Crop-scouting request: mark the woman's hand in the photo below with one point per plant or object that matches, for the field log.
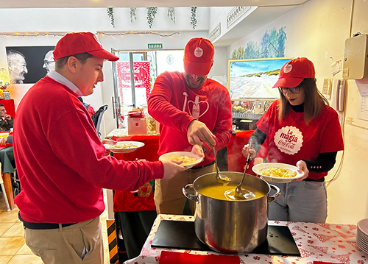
(302, 167)
(252, 152)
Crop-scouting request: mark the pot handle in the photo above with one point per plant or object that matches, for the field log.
(276, 195)
(191, 194)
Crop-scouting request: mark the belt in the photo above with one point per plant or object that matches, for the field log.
(319, 180)
(31, 225)
(201, 167)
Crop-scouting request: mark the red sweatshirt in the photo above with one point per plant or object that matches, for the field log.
(60, 159)
(175, 105)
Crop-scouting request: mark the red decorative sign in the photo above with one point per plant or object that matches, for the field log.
(141, 76)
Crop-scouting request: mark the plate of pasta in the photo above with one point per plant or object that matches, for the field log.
(124, 146)
(277, 172)
(189, 159)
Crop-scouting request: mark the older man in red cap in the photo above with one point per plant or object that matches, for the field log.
(195, 115)
(61, 162)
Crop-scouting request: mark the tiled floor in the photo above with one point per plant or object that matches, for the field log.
(13, 249)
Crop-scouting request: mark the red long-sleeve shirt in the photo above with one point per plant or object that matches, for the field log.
(60, 159)
(175, 105)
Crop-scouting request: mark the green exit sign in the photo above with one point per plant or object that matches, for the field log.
(155, 46)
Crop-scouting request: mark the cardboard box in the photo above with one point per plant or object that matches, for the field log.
(137, 126)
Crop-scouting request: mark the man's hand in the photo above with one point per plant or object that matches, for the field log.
(198, 150)
(198, 131)
(302, 167)
(8, 117)
(171, 168)
(108, 141)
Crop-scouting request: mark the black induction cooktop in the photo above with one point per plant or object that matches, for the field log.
(181, 235)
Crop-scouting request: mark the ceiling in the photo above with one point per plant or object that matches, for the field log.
(141, 3)
(267, 11)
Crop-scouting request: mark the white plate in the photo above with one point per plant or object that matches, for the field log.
(260, 167)
(363, 226)
(182, 153)
(124, 150)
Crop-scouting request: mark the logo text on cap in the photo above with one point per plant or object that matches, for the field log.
(288, 67)
(198, 52)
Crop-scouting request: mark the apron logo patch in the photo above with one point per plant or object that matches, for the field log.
(288, 139)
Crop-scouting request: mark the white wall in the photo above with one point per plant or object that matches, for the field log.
(318, 30)
(96, 20)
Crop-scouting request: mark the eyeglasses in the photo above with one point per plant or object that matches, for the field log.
(294, 90)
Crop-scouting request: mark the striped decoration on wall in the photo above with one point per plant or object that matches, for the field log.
(113, 243)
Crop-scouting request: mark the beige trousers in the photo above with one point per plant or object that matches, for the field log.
(78, 243)
(169, 197)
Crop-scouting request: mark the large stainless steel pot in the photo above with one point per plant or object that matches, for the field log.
(231, 226)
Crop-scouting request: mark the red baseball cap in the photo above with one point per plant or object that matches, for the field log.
(81, 42)
(293, 72)
(198, 56)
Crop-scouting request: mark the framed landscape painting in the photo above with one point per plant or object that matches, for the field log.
(253, 79)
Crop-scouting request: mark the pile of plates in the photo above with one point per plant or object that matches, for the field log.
(362, 235)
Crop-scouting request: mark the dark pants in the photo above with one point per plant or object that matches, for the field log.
(135, 228)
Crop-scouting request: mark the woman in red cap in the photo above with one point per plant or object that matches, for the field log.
(300, 129)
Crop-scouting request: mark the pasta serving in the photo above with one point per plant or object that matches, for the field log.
(186, 160)
(123, 146)
(279, 173)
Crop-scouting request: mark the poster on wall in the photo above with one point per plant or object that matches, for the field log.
(253, 79)
(29, 64)
(141, 80)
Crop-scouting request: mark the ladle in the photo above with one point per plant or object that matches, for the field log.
(243, 193)
(219, 177)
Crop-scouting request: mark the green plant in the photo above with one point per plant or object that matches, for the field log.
(151, 13)
(133, 15)
(110, 13)
(171, 13)
(193, 17)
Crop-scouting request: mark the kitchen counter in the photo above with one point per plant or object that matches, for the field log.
(332, 243)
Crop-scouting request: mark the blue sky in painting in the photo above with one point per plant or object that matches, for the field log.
(239, 68)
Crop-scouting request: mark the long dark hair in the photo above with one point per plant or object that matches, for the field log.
(313, 101)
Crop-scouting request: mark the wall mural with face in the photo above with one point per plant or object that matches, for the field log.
(29, 64)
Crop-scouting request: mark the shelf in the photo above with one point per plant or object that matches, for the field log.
(250, 116)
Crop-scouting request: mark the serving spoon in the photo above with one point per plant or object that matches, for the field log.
(219, 177)
(243, 193)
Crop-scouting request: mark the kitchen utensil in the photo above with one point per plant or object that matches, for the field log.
(220, 177)
(237, 226)
(241, 193)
